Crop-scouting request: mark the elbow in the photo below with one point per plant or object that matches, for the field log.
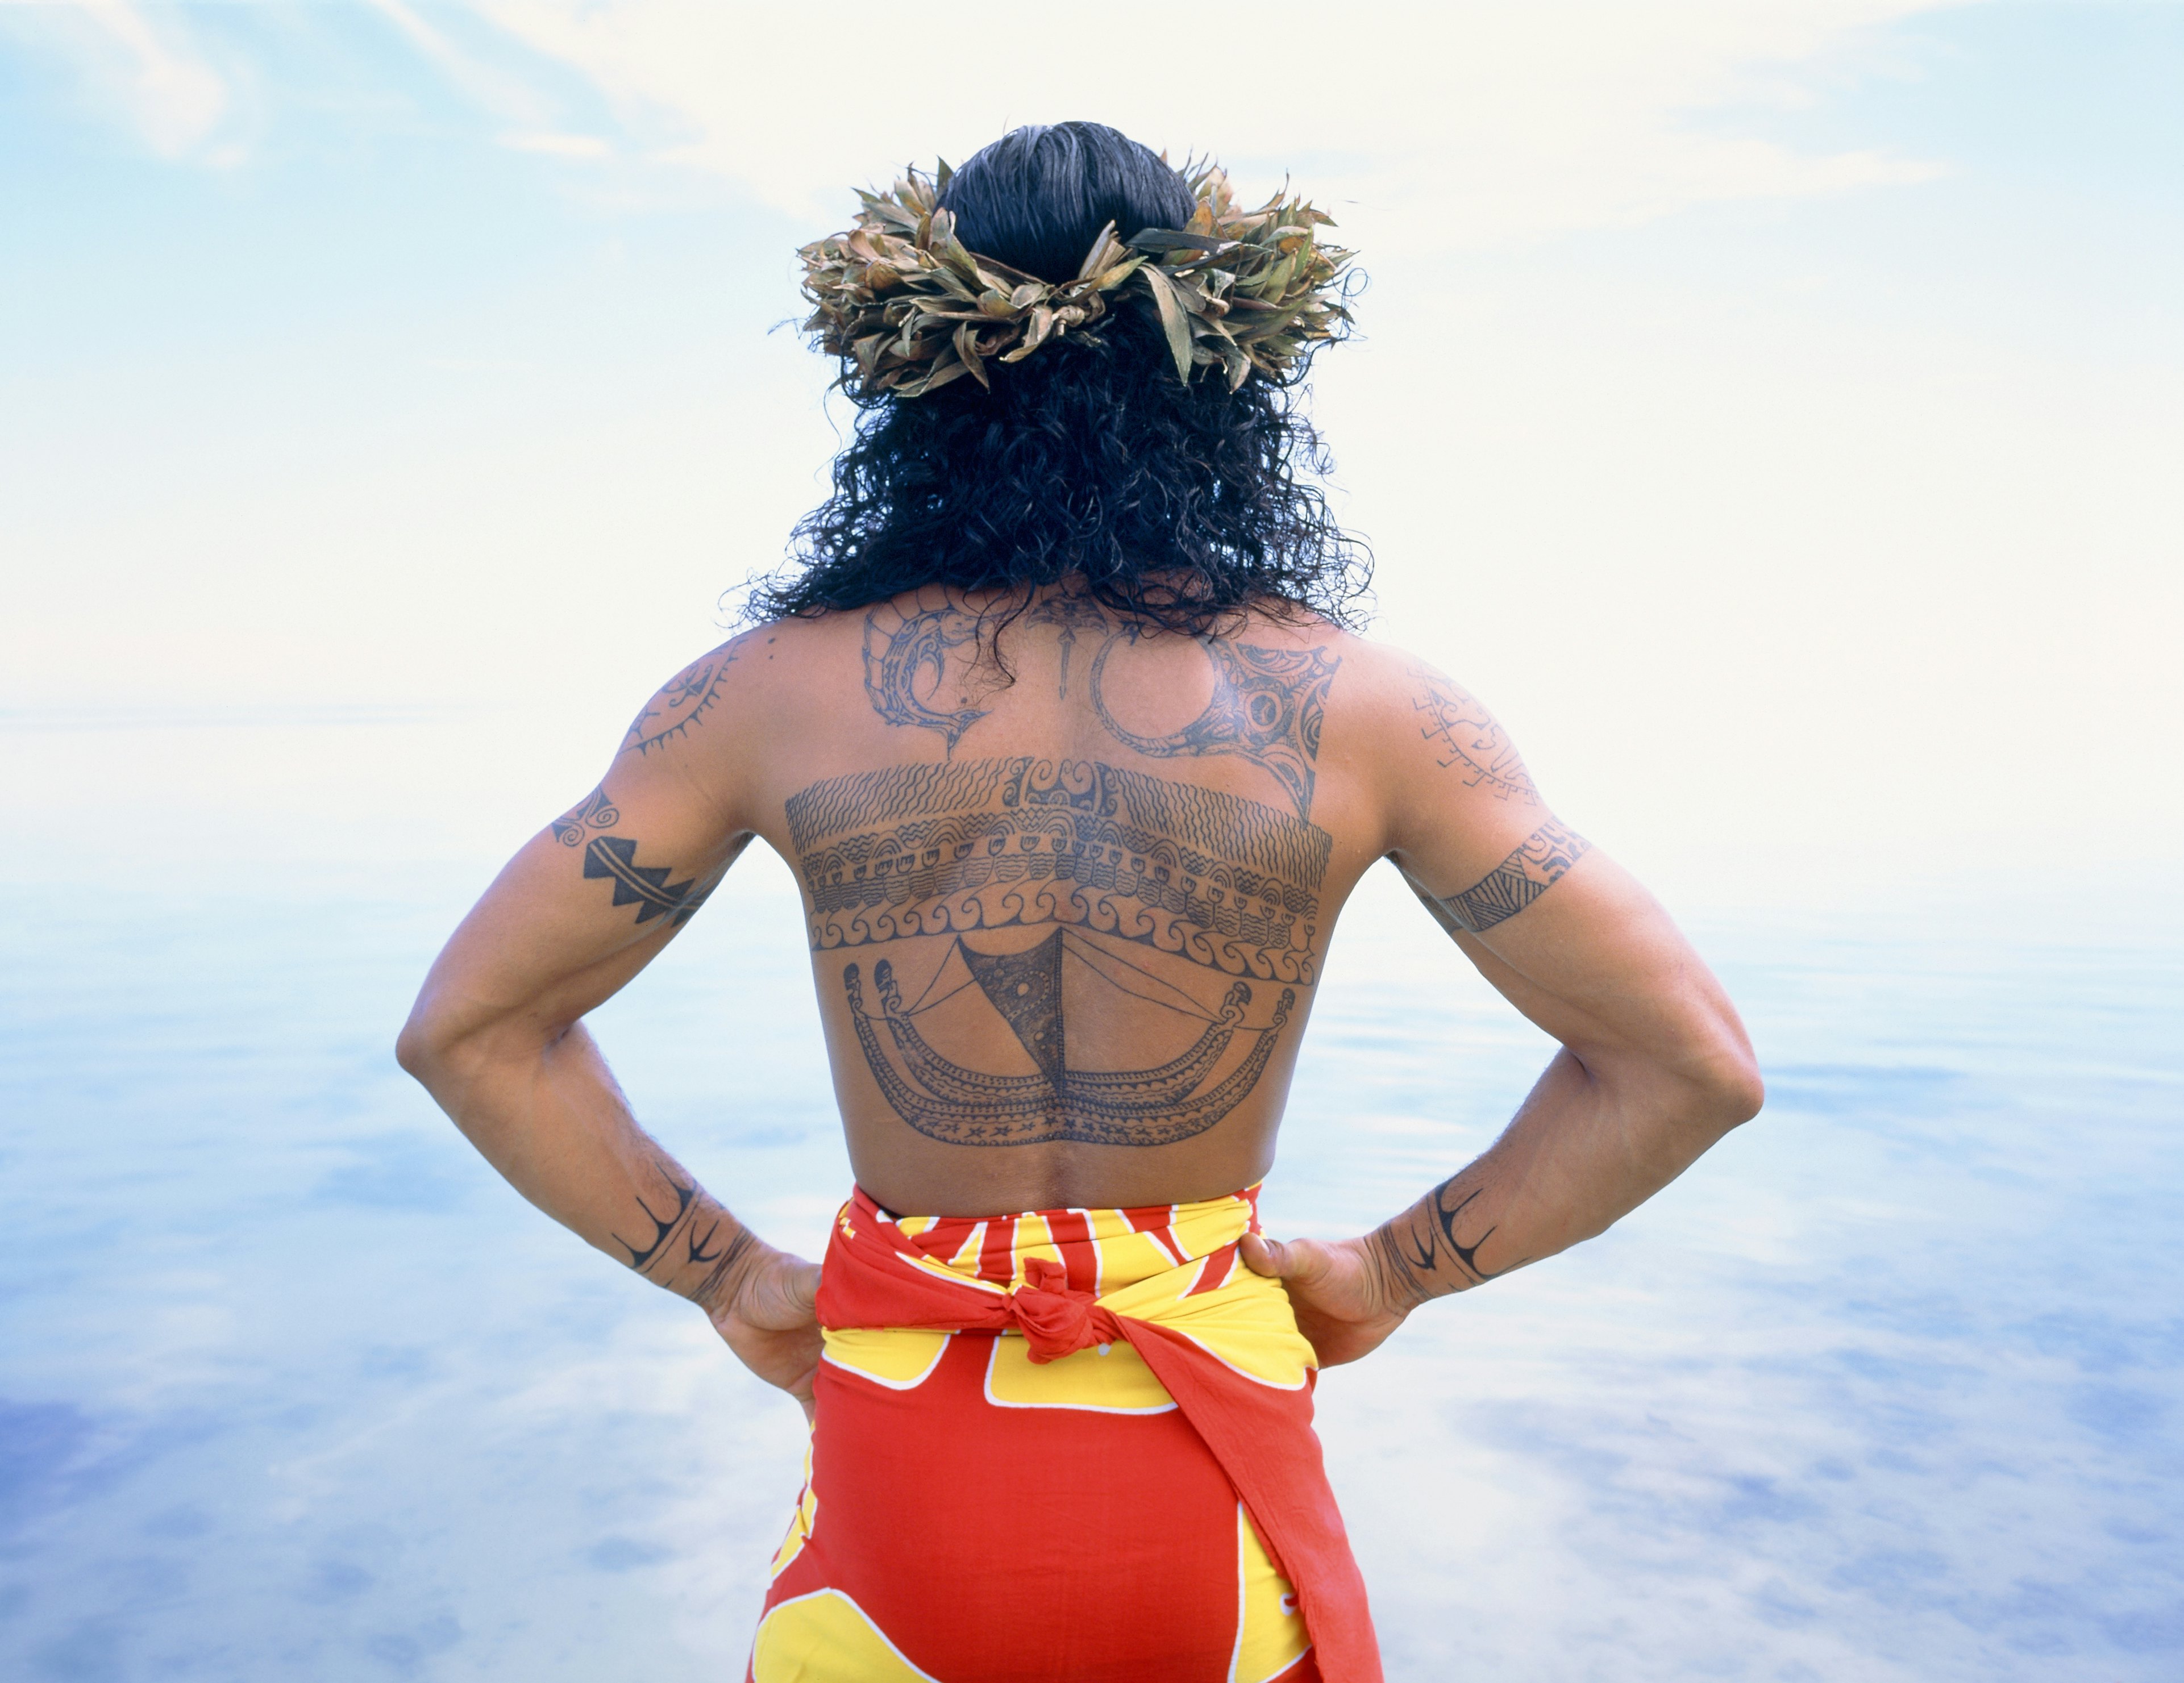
(1736, 1090)
(1725, 1080)
(421, 1047)
(434, 1043)
(452, 1046)
(1709, 1086)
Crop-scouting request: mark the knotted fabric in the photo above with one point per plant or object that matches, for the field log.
(1220, 1339)
(1054, 1320)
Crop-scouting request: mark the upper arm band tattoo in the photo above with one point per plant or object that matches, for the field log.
(1536, 865)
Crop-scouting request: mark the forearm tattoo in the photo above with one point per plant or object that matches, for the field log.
(1418, 1256)
(688, 1231)
(666, 1223)
(1537, 863)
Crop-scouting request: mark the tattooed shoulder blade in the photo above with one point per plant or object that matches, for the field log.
(907, 653)
(1222, 882)
(1268, 707)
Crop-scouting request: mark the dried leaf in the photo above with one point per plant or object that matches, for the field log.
(1100, 256)
(1172, 319)
(966, 346)
(1115, 277)
(911, 309)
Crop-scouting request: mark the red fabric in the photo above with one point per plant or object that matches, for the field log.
(1021, 1545)
(1260, 1437)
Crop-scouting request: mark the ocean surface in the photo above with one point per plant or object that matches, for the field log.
(1888, 1387)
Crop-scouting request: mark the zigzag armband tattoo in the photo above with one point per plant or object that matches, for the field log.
(1538, 862)
(645, 887)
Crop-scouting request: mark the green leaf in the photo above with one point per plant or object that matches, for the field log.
(1171, 239)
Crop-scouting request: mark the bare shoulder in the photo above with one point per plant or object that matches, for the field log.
(1398, 708)
(708, 730)
(746, 670)
(1433, 763)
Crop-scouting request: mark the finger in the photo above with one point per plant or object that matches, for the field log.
(1303, 1260)
(1306, 1261)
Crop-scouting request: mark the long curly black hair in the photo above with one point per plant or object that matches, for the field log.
(1176, 504)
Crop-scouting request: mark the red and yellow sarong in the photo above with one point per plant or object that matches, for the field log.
(1072, 1445)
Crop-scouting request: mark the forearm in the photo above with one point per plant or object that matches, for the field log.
(550, 1119)
(1581, 1152)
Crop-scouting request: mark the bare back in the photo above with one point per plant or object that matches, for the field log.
(1067, 920)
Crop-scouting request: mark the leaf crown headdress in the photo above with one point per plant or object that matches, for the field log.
(1236, 290)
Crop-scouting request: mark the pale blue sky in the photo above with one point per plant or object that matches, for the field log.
(1793, 454)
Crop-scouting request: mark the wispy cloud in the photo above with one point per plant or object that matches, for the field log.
(493, 88)
(1514, 122)
(147, 69)
(1508, 124)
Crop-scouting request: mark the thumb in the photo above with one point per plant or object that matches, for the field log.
(803, 1286)
(1296, 1259)
(781, 1293)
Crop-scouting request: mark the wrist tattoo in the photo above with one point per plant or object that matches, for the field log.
(733, 1244)
(666, 1223)
(1408, 1251)
(1398, 1267)
(689, 1231)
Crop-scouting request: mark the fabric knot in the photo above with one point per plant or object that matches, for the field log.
(1056, 1320)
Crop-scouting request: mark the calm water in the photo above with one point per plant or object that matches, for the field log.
(291, 1386)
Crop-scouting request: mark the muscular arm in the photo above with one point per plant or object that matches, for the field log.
(496, 1034)
(1654, 1066)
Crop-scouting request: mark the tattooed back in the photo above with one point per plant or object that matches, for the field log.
(1069, 895)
